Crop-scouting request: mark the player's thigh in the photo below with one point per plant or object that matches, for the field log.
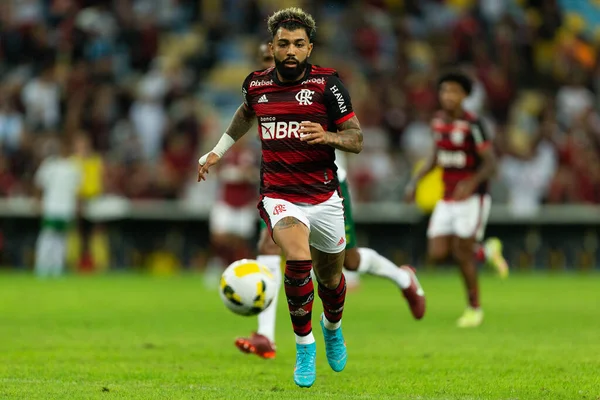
(440, 231)
(327, 267)
(470, 216)
(441, 221)
(462, 248)
(439, 248)
(289, 227)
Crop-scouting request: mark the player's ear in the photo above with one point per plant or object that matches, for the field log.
(271, 48)
(310, 47)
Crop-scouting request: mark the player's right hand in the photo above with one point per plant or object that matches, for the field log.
(204, 163)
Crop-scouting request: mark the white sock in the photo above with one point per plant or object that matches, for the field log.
(308, 339)
(59, 253)
(332, 326)
(266, 319)
(373, 263)
(352, 277)
(43, 253)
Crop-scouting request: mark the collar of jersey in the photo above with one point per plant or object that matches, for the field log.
(304, 77)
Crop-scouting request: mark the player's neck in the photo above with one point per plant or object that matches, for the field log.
(300, 77)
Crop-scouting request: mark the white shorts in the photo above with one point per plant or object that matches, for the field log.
(464, 219)
(225, 219)
(325, 221)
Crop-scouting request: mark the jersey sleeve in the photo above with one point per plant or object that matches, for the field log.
(480, 135)
(337, 101)
(245, 90)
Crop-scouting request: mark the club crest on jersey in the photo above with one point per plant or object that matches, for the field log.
(304, 97)
(457, 137)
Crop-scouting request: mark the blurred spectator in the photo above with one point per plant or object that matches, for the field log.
(142, 85)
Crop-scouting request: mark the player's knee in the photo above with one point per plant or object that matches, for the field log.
(352, 259)
(463, 250)
(330, 281)
(268, 248)
(437, 254)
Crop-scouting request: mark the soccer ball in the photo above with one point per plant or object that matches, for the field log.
(247, 287)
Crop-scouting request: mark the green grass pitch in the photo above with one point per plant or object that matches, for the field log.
(139, 337)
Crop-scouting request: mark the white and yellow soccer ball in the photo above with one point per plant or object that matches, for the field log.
(247, 287)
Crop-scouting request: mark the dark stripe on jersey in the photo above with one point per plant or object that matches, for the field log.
(311, 151)
(304, 190)
(299, 167)
(293, 156)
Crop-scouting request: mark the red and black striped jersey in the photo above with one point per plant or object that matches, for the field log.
(293, 170)
(458, 143)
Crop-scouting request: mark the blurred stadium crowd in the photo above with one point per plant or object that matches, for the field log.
(143, 87)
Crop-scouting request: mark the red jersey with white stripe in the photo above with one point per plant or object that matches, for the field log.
(235, 173)
(293, 170)
(458, 143)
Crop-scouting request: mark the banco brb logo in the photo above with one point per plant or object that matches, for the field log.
(304, 97)
(280, 130)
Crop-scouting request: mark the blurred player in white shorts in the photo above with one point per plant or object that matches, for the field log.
(58, 180)
(232, 220)
(463, 150)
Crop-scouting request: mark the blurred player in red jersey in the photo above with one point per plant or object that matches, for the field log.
(232, 220)
(304, 113)
(463, 149)
(362, 260)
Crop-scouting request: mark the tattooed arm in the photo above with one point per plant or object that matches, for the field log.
(239, 126)
(348, 137)
(241, 122)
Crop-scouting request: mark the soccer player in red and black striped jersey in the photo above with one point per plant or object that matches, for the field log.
(463, 149)
(361, 260)
(304, 113)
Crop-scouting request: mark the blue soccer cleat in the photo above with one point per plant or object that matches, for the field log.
(335, 347)
(305, 372)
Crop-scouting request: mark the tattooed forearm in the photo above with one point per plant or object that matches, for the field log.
(241, 122)
(349, 137)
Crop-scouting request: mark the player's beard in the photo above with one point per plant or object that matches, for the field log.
(290, 74)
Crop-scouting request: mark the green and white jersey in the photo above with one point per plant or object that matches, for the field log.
(342, 164)
(59, 179)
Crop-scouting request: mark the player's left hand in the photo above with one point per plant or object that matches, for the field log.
(313, 133)
(464, 189)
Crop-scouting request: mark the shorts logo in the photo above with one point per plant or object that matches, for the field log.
(341, 242)
(278, 209)
(304, 97)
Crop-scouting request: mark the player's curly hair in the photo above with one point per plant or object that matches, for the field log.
(291, 19)
(457, 77)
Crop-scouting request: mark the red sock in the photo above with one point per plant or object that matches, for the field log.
(300, 294)
(479, 253)
(333, 300)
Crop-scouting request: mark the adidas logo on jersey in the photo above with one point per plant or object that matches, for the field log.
(263, 99)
